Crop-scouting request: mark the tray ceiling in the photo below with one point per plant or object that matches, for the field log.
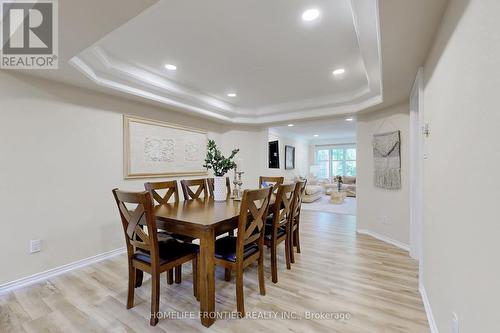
(279, 66)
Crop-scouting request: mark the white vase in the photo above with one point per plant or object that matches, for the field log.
(220, 189)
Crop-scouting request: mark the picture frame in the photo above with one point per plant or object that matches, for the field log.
(289, 157)
(155, 149)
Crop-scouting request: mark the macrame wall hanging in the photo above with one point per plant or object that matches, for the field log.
(387, 160)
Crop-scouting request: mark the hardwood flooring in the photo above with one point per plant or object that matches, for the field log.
(338, 271)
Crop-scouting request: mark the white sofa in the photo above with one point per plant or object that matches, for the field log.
(312, 193)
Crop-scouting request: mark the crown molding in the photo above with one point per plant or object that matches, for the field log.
(109, 71)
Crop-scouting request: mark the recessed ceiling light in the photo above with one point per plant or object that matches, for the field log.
(290, 125)
(316, 135)
(349, 119)
(310, 14)
(171, 67)
(231, 95)
(338, 71)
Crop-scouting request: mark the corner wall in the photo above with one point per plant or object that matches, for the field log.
(461, 270)
(383, 212)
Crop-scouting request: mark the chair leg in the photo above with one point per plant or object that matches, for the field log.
(138, 278)
(131, 286)
(240, 304)
(155, 298)
(170, 276)
(262, 285)
(195, 276)
(227, 274)
(290, 246)
(178, 274)
(274, 262)
(287, 252)
(297, 239)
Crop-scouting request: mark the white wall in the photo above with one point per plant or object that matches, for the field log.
(253, 151)
(462, 189)
(60, 157)
(301, 157)
(385, 212)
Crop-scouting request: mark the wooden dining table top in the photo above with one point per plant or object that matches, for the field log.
(200, 212)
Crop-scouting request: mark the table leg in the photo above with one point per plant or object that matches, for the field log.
(207, 279)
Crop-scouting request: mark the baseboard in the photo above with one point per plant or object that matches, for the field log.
(428, 310)
(58, 270)
(383, 238)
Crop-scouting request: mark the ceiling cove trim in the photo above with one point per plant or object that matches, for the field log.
(108, 75)
(111, 72)
(358, 39)
(91, 74)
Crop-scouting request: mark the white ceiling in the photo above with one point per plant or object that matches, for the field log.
(260, 49)
(332, 130)
(280, 66)
(406, 30)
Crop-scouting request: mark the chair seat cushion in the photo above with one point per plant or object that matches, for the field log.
(170, 249)
(225, 248)
(269, 230)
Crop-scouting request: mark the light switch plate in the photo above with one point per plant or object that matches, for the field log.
(35, 245)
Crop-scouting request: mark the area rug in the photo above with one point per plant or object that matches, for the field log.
(324, 205)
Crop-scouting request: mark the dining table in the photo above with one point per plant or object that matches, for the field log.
(204, 219)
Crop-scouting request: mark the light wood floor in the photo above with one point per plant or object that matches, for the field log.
(337, 271)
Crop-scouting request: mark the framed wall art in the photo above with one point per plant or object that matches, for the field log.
(153, 148)
(289, 157)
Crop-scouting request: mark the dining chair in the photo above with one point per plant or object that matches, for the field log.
(278, 227)
(171, 194)
(271, 182)
(145, 252)
(300, 188)
(200, 186)
(274, 182)
(210, 183)
(236, 253)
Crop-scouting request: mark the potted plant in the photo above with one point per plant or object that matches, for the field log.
(220, 165)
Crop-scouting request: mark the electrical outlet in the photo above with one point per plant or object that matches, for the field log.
(35, 245)
(385, 220)
(455, 326)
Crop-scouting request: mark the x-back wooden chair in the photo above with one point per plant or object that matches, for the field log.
(236, 253)
(172, 191)
(271, 181)
(210, 183)
(278, 226)
(171, 195)
(300, 188)
(200, 185)
(144, 252)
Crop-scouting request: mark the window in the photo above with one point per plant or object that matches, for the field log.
(336, 161)
(323, 162)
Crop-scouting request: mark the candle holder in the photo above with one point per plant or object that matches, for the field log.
(237, 191)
